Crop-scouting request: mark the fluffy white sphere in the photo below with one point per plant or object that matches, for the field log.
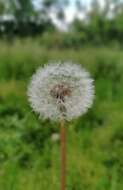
(61, 90)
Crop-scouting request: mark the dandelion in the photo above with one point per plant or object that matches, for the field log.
(61, 92)
(55, 137)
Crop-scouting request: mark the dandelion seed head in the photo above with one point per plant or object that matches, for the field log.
(55, 137)
(61, 90)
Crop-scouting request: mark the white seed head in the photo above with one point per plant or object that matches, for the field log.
(55, 137)
(61, 90)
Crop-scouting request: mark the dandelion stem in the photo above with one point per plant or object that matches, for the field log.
(63, 154)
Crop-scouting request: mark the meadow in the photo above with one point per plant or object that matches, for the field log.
(29, 157)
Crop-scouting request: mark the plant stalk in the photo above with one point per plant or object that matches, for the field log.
(63, 154)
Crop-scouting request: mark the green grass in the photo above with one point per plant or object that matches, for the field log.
(28, 157)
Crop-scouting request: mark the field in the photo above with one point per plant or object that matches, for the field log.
(29, 157)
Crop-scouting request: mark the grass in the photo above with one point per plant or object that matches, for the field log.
(29, 159)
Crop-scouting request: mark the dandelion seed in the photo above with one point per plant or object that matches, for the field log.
(61, 91)
(55, 137)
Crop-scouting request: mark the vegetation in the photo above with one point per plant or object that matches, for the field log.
(102, 25)
(29, 157)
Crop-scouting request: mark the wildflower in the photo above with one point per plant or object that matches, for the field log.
(61, 90)
(55, 137)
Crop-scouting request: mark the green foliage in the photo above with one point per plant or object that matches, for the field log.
(29, 158)
(102, 25)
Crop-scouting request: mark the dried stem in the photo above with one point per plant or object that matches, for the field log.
(63, 154)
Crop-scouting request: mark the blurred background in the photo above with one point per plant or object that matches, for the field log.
(32, 33)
